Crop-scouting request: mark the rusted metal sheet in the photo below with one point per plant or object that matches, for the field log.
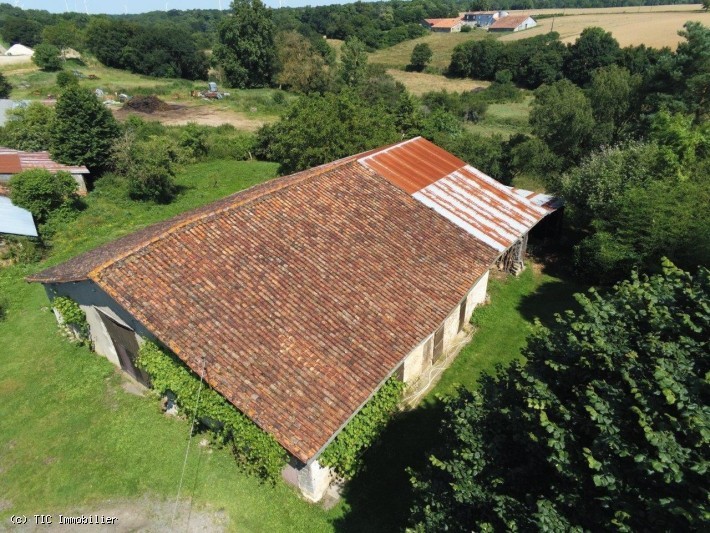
(28, 160)
(10, 164)
(472, 200)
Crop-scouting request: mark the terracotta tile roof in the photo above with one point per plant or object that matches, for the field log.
(509, 23)
(28, 160)
(488, 210)
(303, 294)
(443, 23)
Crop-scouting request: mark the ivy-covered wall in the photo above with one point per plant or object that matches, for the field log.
(256, 451)
(344, 453)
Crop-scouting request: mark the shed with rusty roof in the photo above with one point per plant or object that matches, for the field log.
(15, 161)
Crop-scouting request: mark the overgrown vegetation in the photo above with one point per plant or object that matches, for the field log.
(73, 318)
(603, 427)
(344, 453)
(43, 193)
(255, 450)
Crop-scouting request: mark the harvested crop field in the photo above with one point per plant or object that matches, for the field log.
(419, 83)
(655, 26)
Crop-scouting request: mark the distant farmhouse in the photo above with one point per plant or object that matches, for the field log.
(452, 25)
(15, 161)
(300, 297)
(513, 23)
(497, 21)
(482, 19)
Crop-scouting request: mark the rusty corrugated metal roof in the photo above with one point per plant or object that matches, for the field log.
(28, 160)
(472, 200)
(10, 164)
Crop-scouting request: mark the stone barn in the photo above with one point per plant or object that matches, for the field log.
(301, 296)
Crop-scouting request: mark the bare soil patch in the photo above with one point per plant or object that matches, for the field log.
(147, 104)
(206, 115)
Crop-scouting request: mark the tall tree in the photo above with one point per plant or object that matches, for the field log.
(353, 58)
(594, 48)
(612, 94)
(562, 117)
(421, 55)
(301, 67)
(246, 50)
(604, 427)
(5, 86)
(319, 129)
(83, 130)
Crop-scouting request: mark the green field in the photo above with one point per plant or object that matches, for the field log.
(442, 44)
(504, 119)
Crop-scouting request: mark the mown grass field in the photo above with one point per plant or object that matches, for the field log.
(419, 83)
(505, 119)
(442, 44)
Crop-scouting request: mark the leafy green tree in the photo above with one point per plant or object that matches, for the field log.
(604, 427)
(42, 192)
(64, 34)
(301, 67)
(353, 58)
(319, 129)
(246, 51)
(612, 94)
(21, 30)
(46, 57)
(5, 86)
(29, 128)
(421, 55)
(692, 65)
(594, 48)
(83, 130)
(562, 116)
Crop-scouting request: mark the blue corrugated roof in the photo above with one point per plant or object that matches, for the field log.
(15, 220)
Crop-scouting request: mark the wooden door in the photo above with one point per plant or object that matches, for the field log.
(126, 345)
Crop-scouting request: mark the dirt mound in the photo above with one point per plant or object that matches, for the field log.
(146, 104)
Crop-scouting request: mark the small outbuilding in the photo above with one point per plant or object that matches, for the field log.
(19, 50)
(513, 23)
(450, 25)
(15, 161)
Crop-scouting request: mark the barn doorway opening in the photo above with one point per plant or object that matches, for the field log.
(126, 345)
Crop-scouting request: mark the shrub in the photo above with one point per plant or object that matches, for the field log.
(4, 306)
(147, 181)
(66, 79)
(5, 86)
(256, 451)
(421, 55)
(73, 318)
(28, 128)
(46, 57)
(42, 192)
(238, 146)
(194, 140)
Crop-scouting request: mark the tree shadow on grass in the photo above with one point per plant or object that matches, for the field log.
(380, 497)
(553, 296)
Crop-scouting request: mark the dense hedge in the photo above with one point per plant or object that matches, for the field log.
(345, 452)
(256, 451)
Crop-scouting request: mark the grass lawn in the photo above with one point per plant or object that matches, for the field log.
(504, 119)
(69, 434)
(442, 44)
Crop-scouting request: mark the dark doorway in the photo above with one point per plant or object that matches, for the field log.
(438, 343)
(124, 340)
